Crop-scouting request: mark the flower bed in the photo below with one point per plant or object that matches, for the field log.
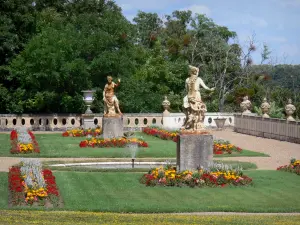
(216, 175)
(293, 167)
(161, 133)
(224, 147)
(111, 143)
(220, 146)
(29, 184)
(82, 132)
(23, 141)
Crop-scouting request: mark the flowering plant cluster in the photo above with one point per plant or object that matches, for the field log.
(29, 183)
(161, 133)
(220, 146)
(216, 175)
(293, 167)
(223, 146)
(82, 132)
(23, 141)
(113, 142)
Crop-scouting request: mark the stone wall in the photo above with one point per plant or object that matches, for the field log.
(279, 129)
(60, 122)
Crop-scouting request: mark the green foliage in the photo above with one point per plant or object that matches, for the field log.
(70, 55)
(51, 50)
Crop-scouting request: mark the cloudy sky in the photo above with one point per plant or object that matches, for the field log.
(275, 22)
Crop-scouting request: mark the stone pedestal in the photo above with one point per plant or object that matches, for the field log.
(194, 151)
(88, 121)
(112, 127)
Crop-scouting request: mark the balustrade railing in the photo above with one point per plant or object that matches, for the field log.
(273, 128)
(57, 122)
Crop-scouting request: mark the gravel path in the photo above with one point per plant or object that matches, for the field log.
(280, 152)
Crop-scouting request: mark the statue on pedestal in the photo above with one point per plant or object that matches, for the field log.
(111, 103)
(193, 106)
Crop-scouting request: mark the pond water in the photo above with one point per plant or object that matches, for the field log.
(114, 165)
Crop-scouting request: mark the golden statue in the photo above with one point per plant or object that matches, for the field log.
(111, 103)
(193, 106)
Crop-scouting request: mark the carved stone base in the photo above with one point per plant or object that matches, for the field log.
(194, 151)
(88, 121)
(112, 127)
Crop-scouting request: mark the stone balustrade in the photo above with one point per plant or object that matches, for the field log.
(273, 128)
(61, 122)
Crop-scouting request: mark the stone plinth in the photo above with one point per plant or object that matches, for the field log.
(88, 121)
(193, 151)
(112, 127)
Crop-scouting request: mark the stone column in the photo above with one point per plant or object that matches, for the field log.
(112, 127)
(194, 151)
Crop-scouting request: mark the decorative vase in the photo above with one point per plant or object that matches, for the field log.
(166, 105)
(220, 122)
(88, 98)
(289, 110)
(265, 108)
(245, 105)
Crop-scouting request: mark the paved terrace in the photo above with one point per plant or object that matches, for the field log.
(280, 152)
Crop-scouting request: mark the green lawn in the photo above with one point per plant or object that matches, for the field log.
(54, 145)
(62, 217)
(272, 191)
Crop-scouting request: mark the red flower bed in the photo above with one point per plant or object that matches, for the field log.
(82, 132)
(293, 167)
(19, 146)
(161, 133)
(19, 195)
(112, 143)
(170, 177)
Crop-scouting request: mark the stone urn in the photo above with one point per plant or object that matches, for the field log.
(245, 105)
(289, 110)
(166, 105)
(220, 122)
(265, 108)
(88, 98)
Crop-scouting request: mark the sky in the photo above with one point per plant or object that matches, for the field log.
(274, 22)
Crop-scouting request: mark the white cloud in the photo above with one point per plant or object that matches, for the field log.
(200, 9)
(290, 49)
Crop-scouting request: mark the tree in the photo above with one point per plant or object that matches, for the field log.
(72, 53)
(148, 27)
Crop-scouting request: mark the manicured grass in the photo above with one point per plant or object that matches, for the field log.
(40, 217)
(56, 146)
(245, 152)
(272, 191)
(3, 191)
